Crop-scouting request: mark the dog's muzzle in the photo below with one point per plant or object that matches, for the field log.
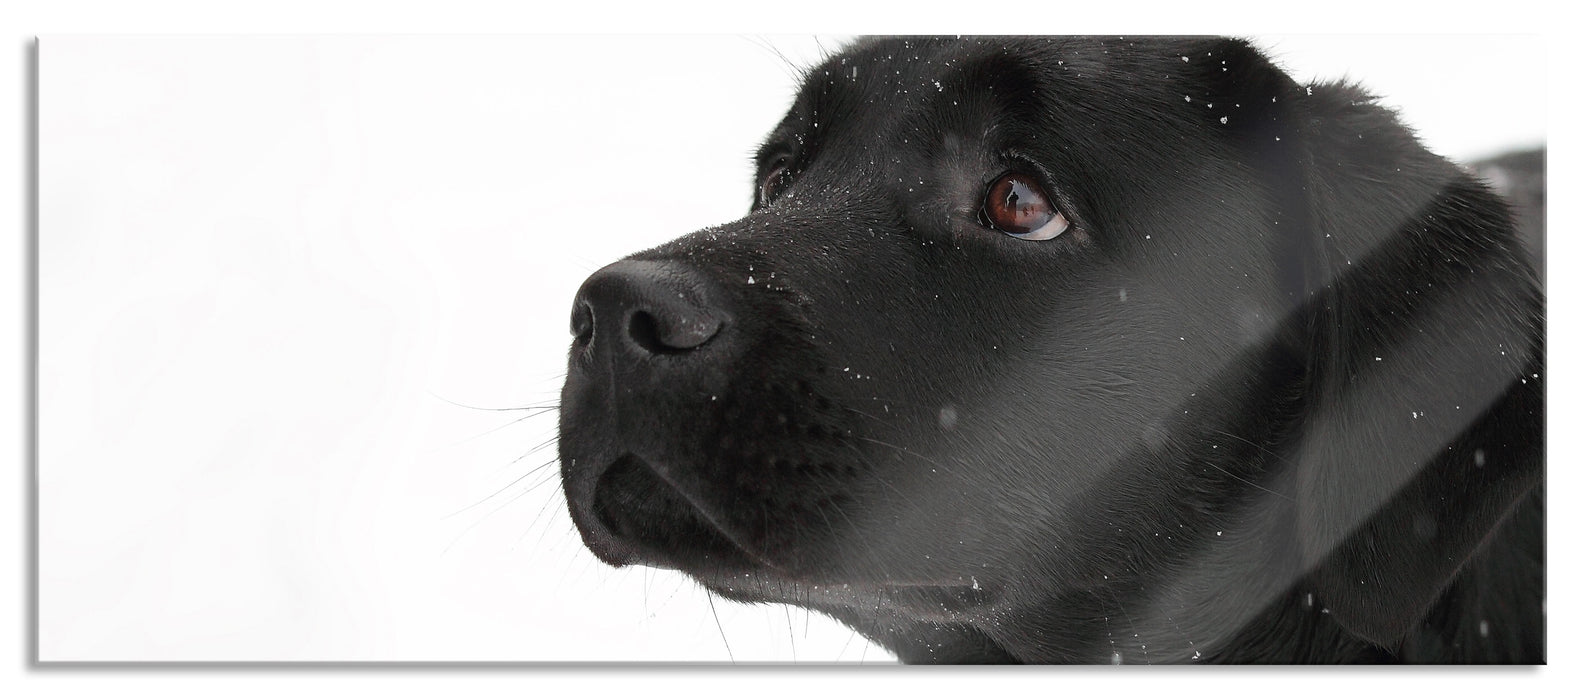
(650, 364)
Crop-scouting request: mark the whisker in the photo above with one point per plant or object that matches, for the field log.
(498, 428)
(549, 476)
(480, 521)
(502, 488)
(545, 531)
(1255, 485)
(719, 626)
(540, 446)
(900, 449)
(1282, 458)
(541, 511)
(790, 633)
(847, 644)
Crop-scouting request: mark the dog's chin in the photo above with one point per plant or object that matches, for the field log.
(637, 517)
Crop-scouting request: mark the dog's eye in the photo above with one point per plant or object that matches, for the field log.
(1016, 205)
(774, 181)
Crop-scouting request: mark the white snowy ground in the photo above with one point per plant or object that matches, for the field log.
(272, 268)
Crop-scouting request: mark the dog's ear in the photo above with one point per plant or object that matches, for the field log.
(1425, 423)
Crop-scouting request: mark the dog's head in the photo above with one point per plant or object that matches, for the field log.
(1019, 327)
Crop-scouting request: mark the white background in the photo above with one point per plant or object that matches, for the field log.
(279, 274)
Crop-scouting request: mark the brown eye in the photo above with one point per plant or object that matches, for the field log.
(774, 181)
(1018, 206)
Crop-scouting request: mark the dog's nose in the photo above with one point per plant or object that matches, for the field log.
(646, 308)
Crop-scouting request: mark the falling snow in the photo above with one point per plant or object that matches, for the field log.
(947, 417)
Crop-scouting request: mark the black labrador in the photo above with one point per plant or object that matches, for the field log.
(1080, 350)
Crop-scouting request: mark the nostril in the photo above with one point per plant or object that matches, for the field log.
(646, 308)
(645, 332)
(582, 323)
(671, 334)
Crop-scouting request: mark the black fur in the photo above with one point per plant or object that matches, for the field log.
(1275, 397)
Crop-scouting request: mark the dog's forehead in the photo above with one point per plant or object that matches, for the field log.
(881, 87)
(885, 74)
(887, 89)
